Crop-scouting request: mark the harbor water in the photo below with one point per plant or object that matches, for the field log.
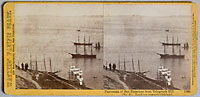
(140, 37)
(53, 37)
(130, 36)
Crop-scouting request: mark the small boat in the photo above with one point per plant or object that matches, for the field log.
(186, 45)
(183, 77)
(97, 46)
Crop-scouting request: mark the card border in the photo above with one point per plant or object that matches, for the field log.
(12, 91)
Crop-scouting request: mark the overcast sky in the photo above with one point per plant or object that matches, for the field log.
(99, 9)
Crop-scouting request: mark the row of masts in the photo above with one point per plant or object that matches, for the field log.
(36, 64)
(167, 43)
(123, 66)
(84, 45)
(172, 44)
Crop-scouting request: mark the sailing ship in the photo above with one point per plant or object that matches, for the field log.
(85, 55)
(80, 43)
(170, 44)
(173, 55)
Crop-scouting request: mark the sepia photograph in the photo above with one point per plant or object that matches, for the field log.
(103, 46)
(147, 46)
(59, 46)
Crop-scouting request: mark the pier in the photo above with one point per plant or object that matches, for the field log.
(137, 79)
(43, 79)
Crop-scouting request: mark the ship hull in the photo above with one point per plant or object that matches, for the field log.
(83, 56)
(174, 44)
(75, 43)
(171, 56)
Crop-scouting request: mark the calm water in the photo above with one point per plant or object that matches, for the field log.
(140, 37)
(125, 36)
(53, 37)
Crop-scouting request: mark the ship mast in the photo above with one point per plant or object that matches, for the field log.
(173, 45)
(179, 50)
(179, 47)
(119, 62)
(167, 39)
(139, 65)
(44, 64)
(78, 38)
(50, 65)
(164, 49)
(76, 49)
(133, 64)
(84, 45)
(124, 64)
(89, 39)
(30, 62)
(36, 64)
(91, 51)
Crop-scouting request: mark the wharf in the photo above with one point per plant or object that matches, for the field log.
(48, 80)
(138, 81)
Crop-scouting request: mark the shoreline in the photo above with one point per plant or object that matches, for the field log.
(44, 80)
(138, 81)
(113, 79)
